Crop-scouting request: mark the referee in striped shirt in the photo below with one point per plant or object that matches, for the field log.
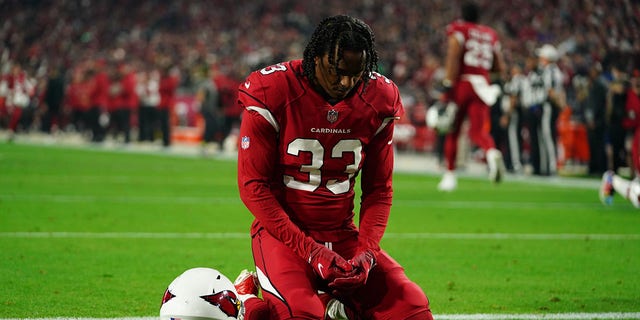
(542, 97)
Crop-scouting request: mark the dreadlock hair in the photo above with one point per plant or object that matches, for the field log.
(344, 33)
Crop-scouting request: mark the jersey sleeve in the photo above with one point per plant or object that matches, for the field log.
(377, 174)
(257, 165)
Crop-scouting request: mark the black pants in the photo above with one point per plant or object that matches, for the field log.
(212, 128)
(163, 117)
(98, 130)
(121, 119)
(146, 123)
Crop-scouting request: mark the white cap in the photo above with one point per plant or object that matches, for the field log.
(548, 52)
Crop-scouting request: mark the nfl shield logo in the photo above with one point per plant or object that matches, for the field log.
(244, 143)
(332, 115)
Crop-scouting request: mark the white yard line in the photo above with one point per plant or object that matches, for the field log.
(65, 198)
(68, 198)
(389, 235)
(480, 316)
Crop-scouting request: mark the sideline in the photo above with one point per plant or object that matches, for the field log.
(406, 162)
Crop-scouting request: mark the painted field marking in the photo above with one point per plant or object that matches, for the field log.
(66, 198)
(389, 235)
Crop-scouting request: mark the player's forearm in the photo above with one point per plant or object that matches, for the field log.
(452, 64)
(377, 190)
(374, 216)
(265, 208)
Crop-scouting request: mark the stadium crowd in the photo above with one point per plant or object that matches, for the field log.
(107, 67)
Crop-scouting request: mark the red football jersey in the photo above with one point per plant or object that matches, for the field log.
(168, 86)
(631, 121)
(100, 90)
(479, 44)
(299, 156)
(128, 95)
(77, 96)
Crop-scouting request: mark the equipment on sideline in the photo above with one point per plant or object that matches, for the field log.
(201, 293)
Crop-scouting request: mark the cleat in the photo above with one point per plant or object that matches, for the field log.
(449, 182)
(606, 188)
(496, 165)
(247, 285)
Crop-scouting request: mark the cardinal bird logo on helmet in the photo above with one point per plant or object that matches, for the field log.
(225, 300)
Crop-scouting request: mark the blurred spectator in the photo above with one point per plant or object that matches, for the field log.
(123, 100)
(208, 100)
(99, 84)
(595, 119)
(78, 101)
(148, 90)
(53, 116)
(615, 133)
(20, 91)
(169, 80)
(227, 90)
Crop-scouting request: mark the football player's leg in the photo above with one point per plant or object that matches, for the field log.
(287, 281)
(449, 181)
(635, 156)
(335, 309)
(256, 309)
(629, 190)
(634, 192)
(479, 117)
(450, 148)
(247, 287)
(389, 294)
(450, 151)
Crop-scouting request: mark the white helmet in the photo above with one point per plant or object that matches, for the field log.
(198, 294)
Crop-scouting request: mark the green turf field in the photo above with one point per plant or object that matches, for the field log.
(94, 233)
